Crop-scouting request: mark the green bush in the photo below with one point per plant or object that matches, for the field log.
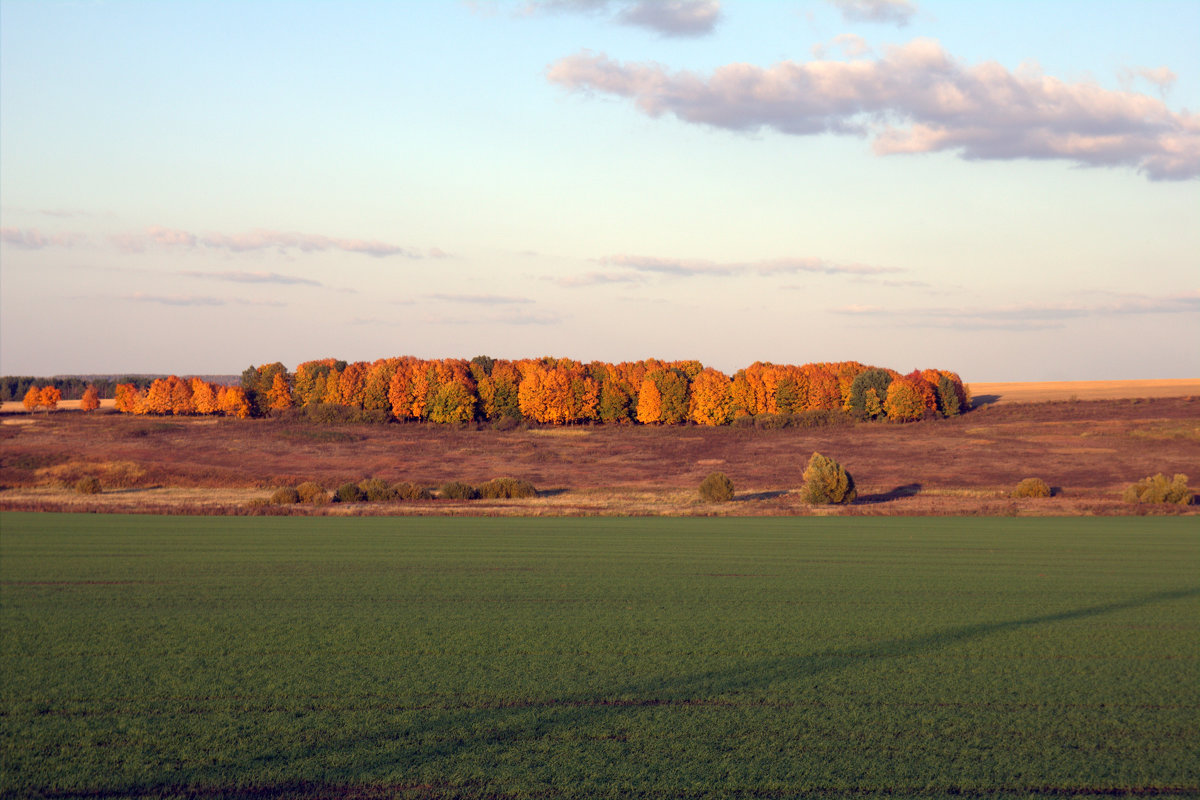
(826, 482)
(349, 493)
(869, 391)
(457, 490)
(410, 491)
(88, 485)
(507, 488)
(376, 490)
(716, 488)
(1032, 487)
(312, 493)
(285, 496)
(1157, 489)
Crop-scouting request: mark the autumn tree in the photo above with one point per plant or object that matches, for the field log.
(279, 396)
(32, 399)
(649, 408)
(49, 397)
(204, 397)
(710, 403)
(126, 398)
(905, 401)
(90, 400)
(232, 402)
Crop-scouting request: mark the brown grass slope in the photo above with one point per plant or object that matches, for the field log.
(1088, 450)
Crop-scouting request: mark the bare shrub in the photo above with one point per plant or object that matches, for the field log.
(826, 482)
(457, 490)
(506, 489)
(716, 488)
(1157, 489)
(312, 493)
(285, 496)
(410, 491)
(88, 485)
(1032, 487)
(349, 493)
(376, 490)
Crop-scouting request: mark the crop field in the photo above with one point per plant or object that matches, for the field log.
(766, 657)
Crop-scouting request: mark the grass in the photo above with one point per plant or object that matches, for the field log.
(401, 657)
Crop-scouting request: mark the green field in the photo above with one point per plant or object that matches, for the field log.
(447, 657)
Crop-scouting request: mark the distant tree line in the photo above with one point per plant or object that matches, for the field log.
(72, 387)
(555, 391)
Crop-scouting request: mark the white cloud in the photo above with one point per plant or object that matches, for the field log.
(892, 12)
(914, 99)
(673, 18)
(258, 239)
(253, 277)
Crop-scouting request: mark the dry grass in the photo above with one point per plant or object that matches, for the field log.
(1045, 391)
(1088, 451)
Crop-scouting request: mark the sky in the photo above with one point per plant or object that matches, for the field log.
(1006, 189)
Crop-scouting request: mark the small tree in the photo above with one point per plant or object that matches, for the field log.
(826, 482)
(90, 400)
(377, 490)
(716, 488)
(49, 397)
(1157, 489)
(32, 398)
(868, 392)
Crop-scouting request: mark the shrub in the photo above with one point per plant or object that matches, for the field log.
(285, 496)
(1032, 487)
(410, 491)
(826, 482)
(1157, 489)
(716, 488)
(312, 493)
(507, 488)
(376, 490)
(88, 485)
(349, 493)
(457, 490)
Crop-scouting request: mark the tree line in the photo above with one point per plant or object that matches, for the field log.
(557, 391)
(72, 387)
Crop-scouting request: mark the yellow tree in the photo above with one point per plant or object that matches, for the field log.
(49, 397)
(127, 398)
(232, 402)
(279, 396)
(32, 398)
(204, 397)
(649, 407)
(90, 400)
(711, 403)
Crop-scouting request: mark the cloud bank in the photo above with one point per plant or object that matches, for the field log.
(1031, 316)
(33, 239)
(253, 277)
(914, 99)
(673, 18)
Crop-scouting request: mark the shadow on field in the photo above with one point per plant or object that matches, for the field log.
(503, 725)
(493, 728)
(907, 490)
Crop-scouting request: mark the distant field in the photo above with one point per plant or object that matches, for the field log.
(469, 658)
(1044, 391)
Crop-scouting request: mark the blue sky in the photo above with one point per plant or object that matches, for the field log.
(1005, 189)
